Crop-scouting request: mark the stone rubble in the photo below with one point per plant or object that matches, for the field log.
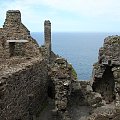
(61, 77)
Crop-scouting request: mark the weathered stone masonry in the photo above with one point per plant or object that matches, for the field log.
(47, 33)
(106, 70)
(23, 91)
(30, 76)
(61, 76)
(106, 79)
(15, 38)
(23, 71)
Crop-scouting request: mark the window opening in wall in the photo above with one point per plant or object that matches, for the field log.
(12, 48)
(16, 49)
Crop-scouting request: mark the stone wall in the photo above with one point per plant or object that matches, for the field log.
(31, 76)
(15, 37)
(2, 43)
(109, 53)
(0, 29)
(116, 73)
(61, 77)
(23, 90)
(105, 74)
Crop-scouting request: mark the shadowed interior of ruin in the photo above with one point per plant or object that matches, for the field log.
(12, 48)
(51, 89)
(105, 85)
(78, 106)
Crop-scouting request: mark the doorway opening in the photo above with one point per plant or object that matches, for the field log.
(12, 48)
(105, 85)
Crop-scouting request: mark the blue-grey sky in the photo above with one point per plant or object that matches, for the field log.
(66, 15)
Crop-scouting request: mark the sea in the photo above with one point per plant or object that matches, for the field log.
(80, 49)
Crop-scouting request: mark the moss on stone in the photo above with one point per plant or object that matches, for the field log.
(96, 65)
(74, 74)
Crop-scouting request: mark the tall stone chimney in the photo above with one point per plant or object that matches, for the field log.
(47, 35)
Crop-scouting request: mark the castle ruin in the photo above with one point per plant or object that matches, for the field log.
(23, 70)
(37, 84)
(16, 39)
(47, 35)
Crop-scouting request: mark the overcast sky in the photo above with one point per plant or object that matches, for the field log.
(66, 15)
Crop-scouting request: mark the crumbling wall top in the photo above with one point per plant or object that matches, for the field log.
(13, 11)
(12, 17)
(47, 22)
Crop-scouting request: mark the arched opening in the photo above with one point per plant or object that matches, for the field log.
(105, 85)
(109, 84)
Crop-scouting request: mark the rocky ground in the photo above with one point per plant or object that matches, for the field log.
(46, 114)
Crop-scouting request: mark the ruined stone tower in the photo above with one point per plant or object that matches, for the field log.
(47, 35)
(15, 38)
